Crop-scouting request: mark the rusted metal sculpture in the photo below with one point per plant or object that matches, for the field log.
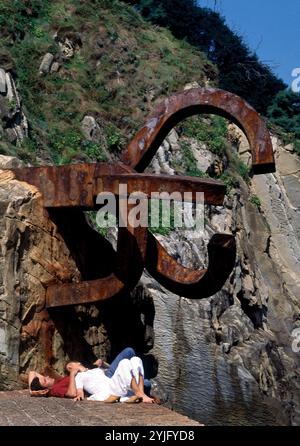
(78, 185)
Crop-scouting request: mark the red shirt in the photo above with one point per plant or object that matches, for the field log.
(60, 387)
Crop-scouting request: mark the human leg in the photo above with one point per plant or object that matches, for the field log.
(127, 353)
(138, 389)
(128, 378)
(147, 386)
(138, 382)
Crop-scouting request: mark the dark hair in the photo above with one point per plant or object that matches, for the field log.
(36, 385)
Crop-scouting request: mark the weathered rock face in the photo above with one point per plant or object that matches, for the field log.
(34, 253)
(228, 359)
(38, 248)
(46, 64)
(13, 122)
(223, 360)
(93, 131)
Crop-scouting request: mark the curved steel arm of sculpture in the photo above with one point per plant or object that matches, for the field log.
(196, 101)
(78, 185)
(141, 150)
(194, 284)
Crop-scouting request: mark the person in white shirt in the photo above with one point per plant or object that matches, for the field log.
(127, 381)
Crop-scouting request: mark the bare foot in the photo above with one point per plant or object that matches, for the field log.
(156, 400)
(147, 399)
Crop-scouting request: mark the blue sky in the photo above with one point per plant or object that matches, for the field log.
(270, 27)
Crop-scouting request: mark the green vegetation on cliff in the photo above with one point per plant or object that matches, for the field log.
(117, 67)
(284, 113)
(240, 70)
(111, 66)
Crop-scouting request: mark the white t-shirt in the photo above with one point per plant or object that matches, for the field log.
(92, 381)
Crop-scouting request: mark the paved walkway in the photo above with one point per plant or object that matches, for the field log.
(17, 408)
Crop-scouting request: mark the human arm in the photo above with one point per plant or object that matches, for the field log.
(101, 364)
(72, 390)
(39, 392)
(32, 374)
(79, 387)
(79, 395)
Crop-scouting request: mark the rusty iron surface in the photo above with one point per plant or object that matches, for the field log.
(193, 283)
(78, 185)
(196, 101)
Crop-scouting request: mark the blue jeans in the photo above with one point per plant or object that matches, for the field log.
(127, 353)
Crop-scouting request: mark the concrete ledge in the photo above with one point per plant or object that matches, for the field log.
(17, 408)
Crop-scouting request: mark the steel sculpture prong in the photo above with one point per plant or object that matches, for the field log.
(77, 186)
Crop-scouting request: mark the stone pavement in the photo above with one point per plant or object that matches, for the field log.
(17, 408)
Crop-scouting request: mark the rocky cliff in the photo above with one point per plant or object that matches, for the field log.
(35, 252)
(13, 122)
(228, 359)
(88, 77)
